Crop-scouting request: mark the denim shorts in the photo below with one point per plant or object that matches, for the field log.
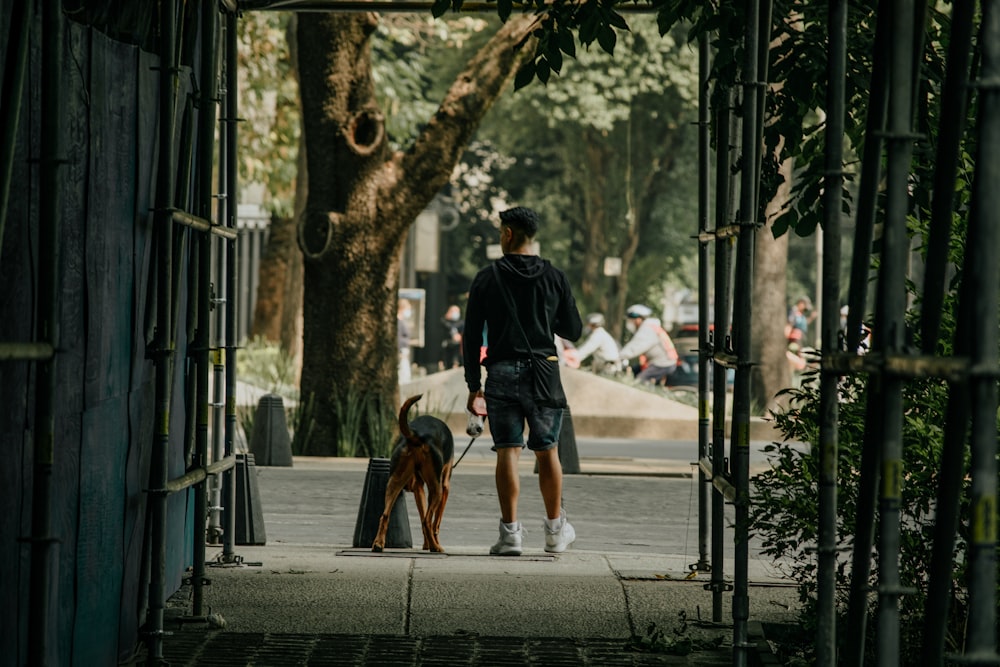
(509, 406)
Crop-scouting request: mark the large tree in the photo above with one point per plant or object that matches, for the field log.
(362, 198)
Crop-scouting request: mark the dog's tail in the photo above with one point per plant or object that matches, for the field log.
(404, 423)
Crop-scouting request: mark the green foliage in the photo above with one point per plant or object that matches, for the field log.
(268, 366)
(676, 642)
(786, 512)
(636, 110)
(302, 423)
(414, 59)
(269, 139)
(367, 425)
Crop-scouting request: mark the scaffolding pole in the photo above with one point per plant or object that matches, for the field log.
(208, 85)
(232, 205)
(15, 67)
(720, 340)
(742, 338)
(954, 110)
(871, 454)
(890, 326)
(704, 354)
(954, 103)
(826, 572)
(44, 545)
(163, 345)
(982, 248)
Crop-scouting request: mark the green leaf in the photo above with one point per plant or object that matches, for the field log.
(504, 8)
(439, 7)
(567, 43)
(617, 20)
(588, 29)
(525, 75)
(542, 70)
(607, 38)
(555, 59)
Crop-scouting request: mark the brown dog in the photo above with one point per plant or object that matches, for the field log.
(422, 455)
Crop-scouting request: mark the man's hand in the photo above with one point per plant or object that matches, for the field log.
(469, 404)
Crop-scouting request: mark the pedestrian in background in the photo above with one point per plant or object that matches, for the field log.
(451, 345)
(799, 318)
(403, 313)
(544, 307)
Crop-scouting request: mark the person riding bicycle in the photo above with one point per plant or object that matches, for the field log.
(651, 344)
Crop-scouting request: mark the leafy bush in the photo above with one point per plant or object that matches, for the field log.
(267, 365)
(786, 509)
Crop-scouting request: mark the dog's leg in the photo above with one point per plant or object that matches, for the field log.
(445, 490)
(435, 494)
(420, 500)
(397, 481)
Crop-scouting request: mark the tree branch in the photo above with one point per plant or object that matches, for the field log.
(420, 172)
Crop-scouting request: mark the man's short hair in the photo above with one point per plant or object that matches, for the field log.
(521, 219)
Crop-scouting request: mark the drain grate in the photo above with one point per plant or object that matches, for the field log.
(210, 648)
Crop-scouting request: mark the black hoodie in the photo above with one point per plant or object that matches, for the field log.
(545, 307)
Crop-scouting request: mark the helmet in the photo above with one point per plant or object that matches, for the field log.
(595, 319)
(638, 310)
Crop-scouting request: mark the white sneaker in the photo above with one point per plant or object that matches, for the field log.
(560, 536)
(509, 543)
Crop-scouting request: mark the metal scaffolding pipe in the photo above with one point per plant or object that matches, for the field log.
(704, 422)
(871, 178)
(44, 545)
(954, 102)
(26, 351)
(742, 332)
(15, 66)
(829, 412)
(954, 109)
(721, 484)
(202, 225)
(205, 156)
(723, 270)
(232, 208)
(414, 6)
(222, 295)
(197, 475)
(982, 250)
(163, 346)
(871, 174)
(889, 335)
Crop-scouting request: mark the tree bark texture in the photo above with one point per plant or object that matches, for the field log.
(362, 199)
(594, 177)
(769, 315)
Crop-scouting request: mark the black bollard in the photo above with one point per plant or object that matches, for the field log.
(270, 442)
(249, 513)
(372, 505)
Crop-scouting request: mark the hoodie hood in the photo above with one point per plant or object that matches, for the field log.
(523, 267)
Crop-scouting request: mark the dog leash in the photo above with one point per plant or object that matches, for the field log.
(465, 452)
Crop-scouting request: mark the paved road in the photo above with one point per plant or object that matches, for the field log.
(654, 513)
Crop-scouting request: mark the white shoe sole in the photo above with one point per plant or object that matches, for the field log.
(506, 551)
(561, 546)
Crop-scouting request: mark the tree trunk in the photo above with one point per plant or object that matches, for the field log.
(278, 313)
(361, 201)
(271, 280)
(594, 176)
(772, 373)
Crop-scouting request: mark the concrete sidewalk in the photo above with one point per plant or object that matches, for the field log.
(310, 597)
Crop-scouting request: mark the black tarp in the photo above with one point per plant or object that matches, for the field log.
(104, 420)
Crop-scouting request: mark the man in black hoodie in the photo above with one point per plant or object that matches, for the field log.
(545, 307)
